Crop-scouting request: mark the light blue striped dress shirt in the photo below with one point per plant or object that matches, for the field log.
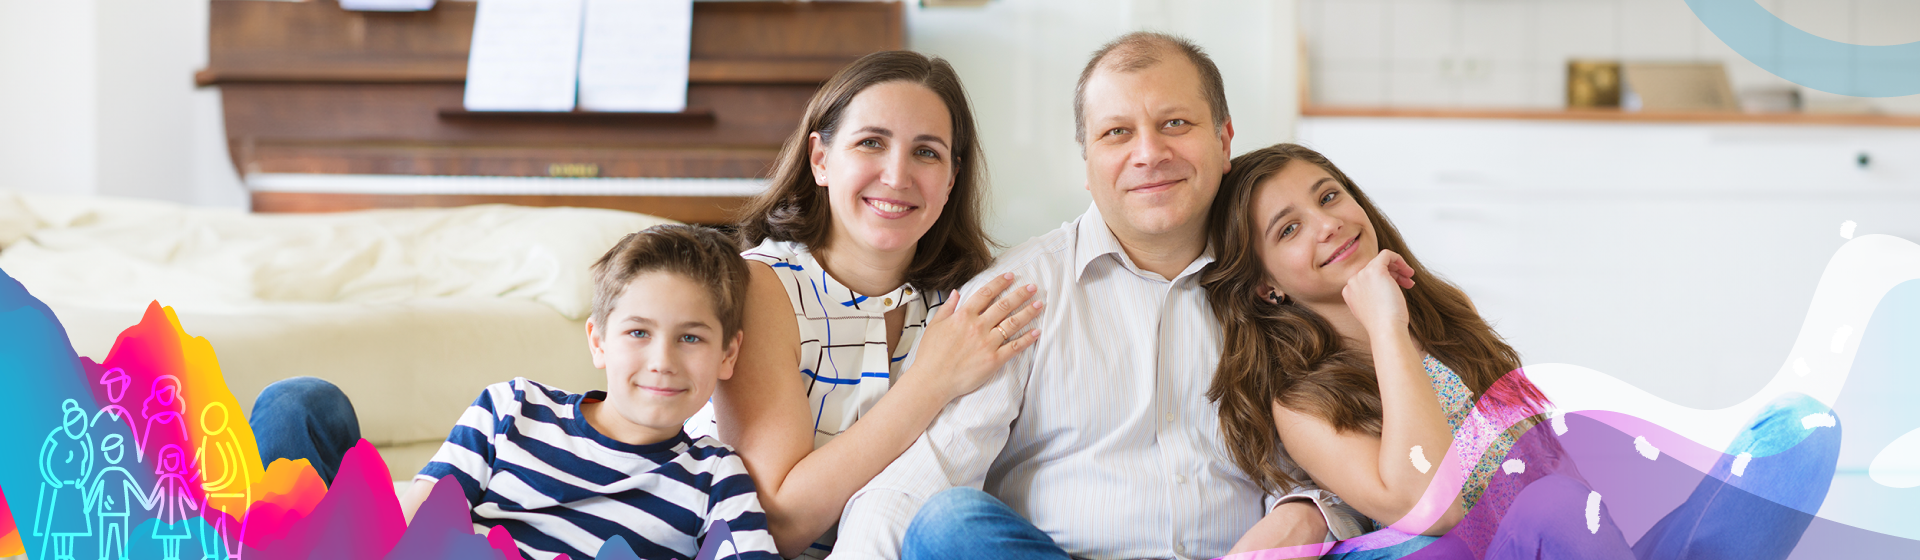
(1101, 434)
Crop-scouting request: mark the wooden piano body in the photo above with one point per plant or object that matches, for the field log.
(330, 110)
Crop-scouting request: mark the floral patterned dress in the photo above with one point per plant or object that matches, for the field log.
(1482, 442)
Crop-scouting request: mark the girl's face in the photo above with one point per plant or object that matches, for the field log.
(889, 168)
(1313, 236)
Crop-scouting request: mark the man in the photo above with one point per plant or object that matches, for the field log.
(1099, 441)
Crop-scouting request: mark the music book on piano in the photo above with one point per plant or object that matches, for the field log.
(525, 55)
(634, 55)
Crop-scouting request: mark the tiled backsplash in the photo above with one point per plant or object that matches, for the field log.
(1513, 53)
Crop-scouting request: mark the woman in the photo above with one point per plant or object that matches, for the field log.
(1388, 389)
(871, 221)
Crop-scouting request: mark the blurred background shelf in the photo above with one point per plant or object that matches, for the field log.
(1612, 115)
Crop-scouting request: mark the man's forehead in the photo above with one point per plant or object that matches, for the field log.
(1165, 85)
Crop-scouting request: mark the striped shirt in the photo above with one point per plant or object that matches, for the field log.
(1101, 434)
(843, 344)
(527, 460)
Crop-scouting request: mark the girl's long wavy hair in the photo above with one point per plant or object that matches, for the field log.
(794, 208)
(1285, 354)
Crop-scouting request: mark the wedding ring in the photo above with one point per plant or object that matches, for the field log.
(1003, 334)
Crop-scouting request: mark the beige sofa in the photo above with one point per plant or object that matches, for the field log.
(410, 312)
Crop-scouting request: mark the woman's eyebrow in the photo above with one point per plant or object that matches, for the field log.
(889, 134)
(931, 138)
(1289, 209)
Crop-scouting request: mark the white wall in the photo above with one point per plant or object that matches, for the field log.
(100, 100)
(104, 102)
(1020, 59)
(1681, 258)
(47, 101)
(1513, 53)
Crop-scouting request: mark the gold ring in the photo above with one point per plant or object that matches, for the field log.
(1003, 334)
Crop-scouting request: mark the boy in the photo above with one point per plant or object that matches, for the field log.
(565, 472)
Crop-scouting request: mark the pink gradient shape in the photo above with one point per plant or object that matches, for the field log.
(502, 541)
(443, 528)
(289, 492)
(359, 517)
(1302, 551)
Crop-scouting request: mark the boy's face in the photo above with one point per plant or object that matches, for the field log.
(663, 352)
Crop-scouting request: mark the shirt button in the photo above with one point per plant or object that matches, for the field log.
(1180, 478)
(1169, 417)
(909, 291)
(886, 302)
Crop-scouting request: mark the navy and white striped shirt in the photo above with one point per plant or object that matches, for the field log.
(529, 461)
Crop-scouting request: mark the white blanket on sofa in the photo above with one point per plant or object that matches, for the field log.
(410, 312)
(131, 252)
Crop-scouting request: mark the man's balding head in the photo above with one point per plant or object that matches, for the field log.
(1143, 49)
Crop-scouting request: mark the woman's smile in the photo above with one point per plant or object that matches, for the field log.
(889, 208)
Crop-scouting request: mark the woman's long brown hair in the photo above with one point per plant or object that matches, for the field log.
(794, 208)
(1284, 353)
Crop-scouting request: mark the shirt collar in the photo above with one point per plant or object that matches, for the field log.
(1093, 239)
(838, 294)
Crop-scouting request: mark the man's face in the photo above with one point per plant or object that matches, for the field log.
(1154, 159)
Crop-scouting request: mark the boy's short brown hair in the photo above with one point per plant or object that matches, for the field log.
(701, 254)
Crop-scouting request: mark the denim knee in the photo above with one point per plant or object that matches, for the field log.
(1785, 423)
(951, 509)
(310, 396)
(968, 523)
(302, 392)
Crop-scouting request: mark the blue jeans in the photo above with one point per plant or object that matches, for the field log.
(1758, 514)
(304, 418)
(964, 523)
(1762, 512)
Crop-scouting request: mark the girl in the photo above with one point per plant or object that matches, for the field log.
(1388, 389)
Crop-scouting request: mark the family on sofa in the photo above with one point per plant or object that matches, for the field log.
(1223, 355)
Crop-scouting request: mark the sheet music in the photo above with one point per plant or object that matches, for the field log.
(525, 55)
(634, 55)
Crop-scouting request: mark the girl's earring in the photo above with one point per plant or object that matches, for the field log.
(1273, 298)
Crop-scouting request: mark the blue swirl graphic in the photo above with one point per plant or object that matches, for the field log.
(1807, 59)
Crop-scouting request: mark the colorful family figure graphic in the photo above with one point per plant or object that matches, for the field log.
(173, 500)
(111, 497)
(66, 463)
(162, 409)
(226, 485)
(89, 490)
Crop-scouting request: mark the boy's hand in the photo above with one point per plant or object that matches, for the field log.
(971, 339)
(416, 494)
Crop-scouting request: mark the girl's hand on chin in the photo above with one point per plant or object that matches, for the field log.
(1374, 293)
